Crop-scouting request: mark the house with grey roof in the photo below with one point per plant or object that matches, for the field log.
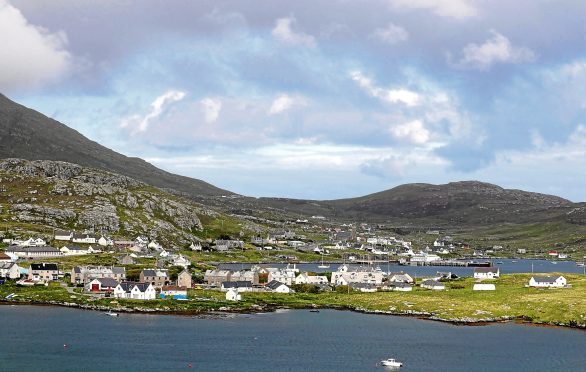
(34, 252)
(85, 274)
(9, 270)
(432, 284)
(217, 276)
(278, 287)
(43, 272)
(548, 282)
(135, 291)
(101, 285)
(240, 286)
(157, 277)
(400, 277)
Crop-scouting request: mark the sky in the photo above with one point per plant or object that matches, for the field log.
(314, 99)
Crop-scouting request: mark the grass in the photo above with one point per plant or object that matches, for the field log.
(512, 299)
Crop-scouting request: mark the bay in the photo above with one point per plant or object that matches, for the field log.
(33, 338)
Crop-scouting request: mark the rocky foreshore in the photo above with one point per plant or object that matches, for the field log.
(222, 310)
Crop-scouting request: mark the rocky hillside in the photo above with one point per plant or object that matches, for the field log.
(52, 194)
(28, 134)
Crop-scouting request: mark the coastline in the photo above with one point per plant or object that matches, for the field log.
(258, 309)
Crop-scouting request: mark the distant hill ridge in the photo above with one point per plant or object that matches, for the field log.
(28, 134)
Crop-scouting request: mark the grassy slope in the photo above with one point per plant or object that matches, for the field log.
(512, 299)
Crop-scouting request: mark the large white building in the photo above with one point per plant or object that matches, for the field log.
(548, 282)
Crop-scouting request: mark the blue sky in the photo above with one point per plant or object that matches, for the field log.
(315, 99)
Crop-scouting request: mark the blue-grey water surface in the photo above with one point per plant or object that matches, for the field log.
(33, 338)
(506, 266)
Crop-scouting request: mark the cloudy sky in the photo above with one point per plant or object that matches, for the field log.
(314, 99)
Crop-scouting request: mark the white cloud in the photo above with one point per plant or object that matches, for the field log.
(457, 9)
(283, 32)
(497, 49)
(211, 109)
(404, 96)
(158, 106)
(284, 102)
(30, 55)
(413, 131)
(391, 34)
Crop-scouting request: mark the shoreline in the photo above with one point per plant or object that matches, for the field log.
(222, 311)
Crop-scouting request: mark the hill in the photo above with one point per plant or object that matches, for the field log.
(457, 203)
(41, 196)
(28, 134)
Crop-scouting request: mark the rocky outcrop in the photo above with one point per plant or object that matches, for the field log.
(60, 194)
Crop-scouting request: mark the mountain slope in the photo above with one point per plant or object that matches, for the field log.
(28, 134)
(462, 203)
(40, 196)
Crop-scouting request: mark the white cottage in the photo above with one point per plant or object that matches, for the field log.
(135, 291)
(278, 287)
(486, 273)
(548, 282)
(233, 295)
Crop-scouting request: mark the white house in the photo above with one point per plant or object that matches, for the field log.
(181, 261)
(363, 287)
(484, 287)
(486, 272)
(9, 270)
(135, 291)
(164, 253)
(343, 277)
(548, 282)
(400, 277)
(233, 295)
(284, 276)
(305, 278)
(433, 284)
(278, 287)
(74, 250)
(105, 242)
(84, 238)
(195, 247)
(63, 235)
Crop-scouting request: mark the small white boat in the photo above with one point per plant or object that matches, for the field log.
(112, 314)
(323, 265)
(391, 363)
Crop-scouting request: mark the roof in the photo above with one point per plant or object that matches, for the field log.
(154, 272)
(127, 286)
(44, 266)
(401, 285)
(75, 248)
(431, 282)
(62, 233)
(274, 284)
(6, 265)
(108, 282)
(32, 249)
(173, 288)
(486, 269)
(237, 284)
(4, 256)
(545, 279)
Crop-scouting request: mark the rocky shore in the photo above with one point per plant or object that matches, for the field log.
(221, 311)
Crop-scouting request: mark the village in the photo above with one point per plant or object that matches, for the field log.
(32, 262)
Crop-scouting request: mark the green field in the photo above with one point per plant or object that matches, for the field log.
(511, 300)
